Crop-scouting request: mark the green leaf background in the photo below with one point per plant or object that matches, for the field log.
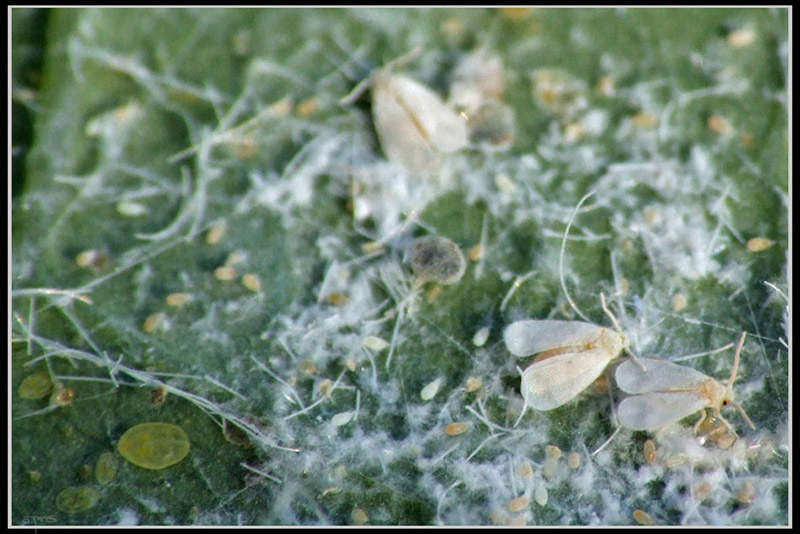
(207, 117)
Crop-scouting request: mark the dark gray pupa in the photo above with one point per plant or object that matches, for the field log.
(436, 259)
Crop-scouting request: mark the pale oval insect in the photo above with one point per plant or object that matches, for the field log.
(251, 282)
(154, 445)
(325, 387)
(572, 355)
(342, 418)
(454, 429)
(92, 259)
(679, 302)
(476, 252)
(741, 37)
(643, 518)
(759, 244)
(375, 343)
(216, 232)
(106, 468)
(225, 273)
(649, 451)
(155, 321)
(177, 300)
(235, 257)
(436, 259)
(481, 336)
(359, 516)
(664, 392)
(35, 386)
(574, 460)
(552, 452)
(414, 125)
(130, 208)
(77, 499)
(515, 505)
(540, 495)
(430, 390)
(472, 384)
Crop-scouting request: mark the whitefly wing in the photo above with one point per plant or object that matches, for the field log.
(657, 375)
(530, 336)
(655, 410)
(445, 129)
(549, 383)
(400, 135)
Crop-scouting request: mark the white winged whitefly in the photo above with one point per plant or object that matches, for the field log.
(414, 125)
(571, 355)
(664, 392)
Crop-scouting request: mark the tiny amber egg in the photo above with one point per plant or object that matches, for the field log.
(649, 451)
(515, 505)
(759, 244)
(472, 384)
(225, 273)
(454, 429)
(251, 282)
(573, 460)
(216, 232)
(154, 445)
(643, 518)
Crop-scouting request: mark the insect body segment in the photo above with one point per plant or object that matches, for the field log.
(572, 354)
(665, 392)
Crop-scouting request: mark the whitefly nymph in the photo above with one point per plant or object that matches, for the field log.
(436, 259)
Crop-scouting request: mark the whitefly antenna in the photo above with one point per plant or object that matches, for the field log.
(736, 359)
(608, 312)
(561, 256)
(733, 377)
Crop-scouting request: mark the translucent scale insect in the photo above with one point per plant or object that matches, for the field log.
(571, 355)
(664, 392)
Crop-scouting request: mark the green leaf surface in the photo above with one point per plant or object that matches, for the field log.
(171, 152)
